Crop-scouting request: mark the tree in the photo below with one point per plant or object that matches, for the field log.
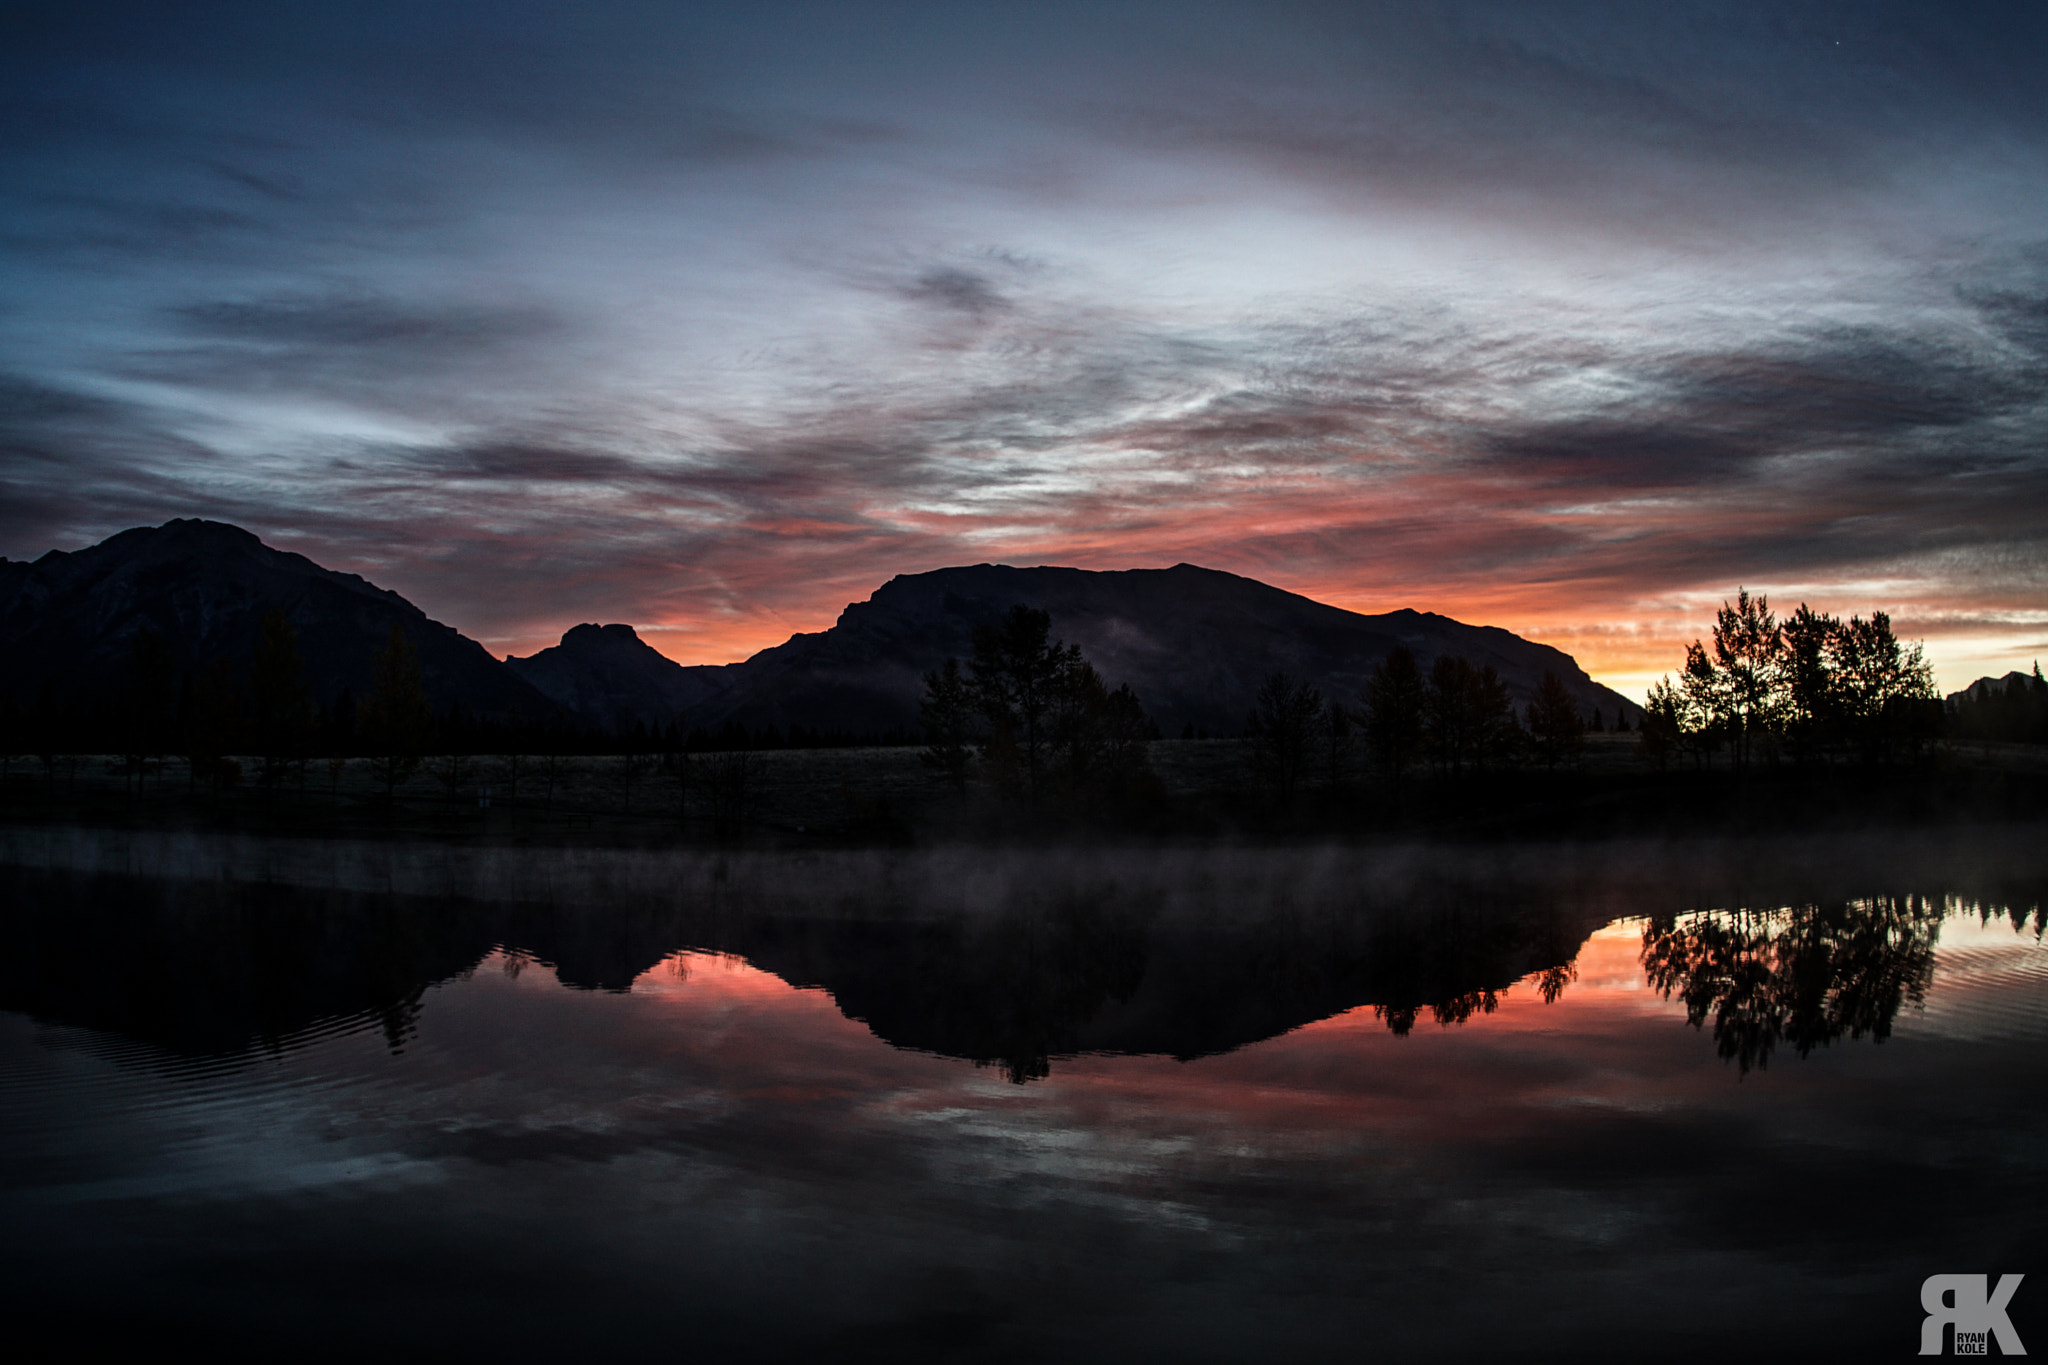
(1468, 717)
(948, 712)
(1283, 727)
(1705, 693)
(1886, 689)
(631, 770)
(1661, 736)
(1814, 682)
(280, 704)
(394, 719)
(452, 770)
(1749, 661)
(1447, 711)
(1335, 727)
(1497, 735)
(1097, 737)
(213, 710)
(1123, 737)
(1555, 723)
(1017, 670)
(1394, 707)
(729, 785)
(144, 701)
(1812, 713)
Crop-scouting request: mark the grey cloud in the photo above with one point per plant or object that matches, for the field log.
(1710, 417)
(30, 401)
(356, 323)
(960, 290)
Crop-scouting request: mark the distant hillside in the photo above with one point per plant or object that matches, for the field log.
(1194, 643)
(607, 676)
(1984, 690)
(2014, 707)
(66, 619)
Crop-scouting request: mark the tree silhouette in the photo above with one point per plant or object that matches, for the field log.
(948, 712)
(1814, 683)
(1804, 974)
(1395, 702)
(280, 704)
(1467, 715)
(1283, 727)
(1555, 723)
(1017, 671)
(1098, 735)
(394, 718)
(143, 703)
(1886, 689)
(212, 725)
(1046, 717)
(1741, 685)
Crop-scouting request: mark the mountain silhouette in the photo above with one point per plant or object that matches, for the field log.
(607, 676)
(1193, 643)
(66, 619)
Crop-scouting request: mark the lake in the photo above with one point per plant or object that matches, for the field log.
(1606, 1101)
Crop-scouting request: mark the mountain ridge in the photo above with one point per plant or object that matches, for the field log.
(66, 619)
(1194, 643)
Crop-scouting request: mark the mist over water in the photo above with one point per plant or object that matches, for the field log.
(1010, 1104)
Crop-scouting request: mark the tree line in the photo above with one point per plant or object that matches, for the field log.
(2012, 708)
(257, 720)
(1811, 688)
(1034, 718)
(1456, 719)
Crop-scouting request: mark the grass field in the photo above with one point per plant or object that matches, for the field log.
(1208, 789)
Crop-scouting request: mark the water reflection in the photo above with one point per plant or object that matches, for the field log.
(1806, 975)
(627, 1096)
(199, 968)
(1032, 970)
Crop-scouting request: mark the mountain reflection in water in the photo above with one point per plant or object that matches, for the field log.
(216, 968)
(1115, 967)
(1274, 1104)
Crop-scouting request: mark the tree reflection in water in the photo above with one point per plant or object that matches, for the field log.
(1800, 974)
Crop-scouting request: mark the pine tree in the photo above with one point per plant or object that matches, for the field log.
(948, 712)
(1394, 706)
(280, 704)
(1555, 723)
(394, 718)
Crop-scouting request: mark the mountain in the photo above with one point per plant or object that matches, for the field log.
(1194, 643)
(609, 677)
(2014, 707)
(1983, 690)
(66, 619)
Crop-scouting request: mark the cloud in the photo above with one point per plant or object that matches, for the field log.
(715, 320)
(964, 291)
(346, 323)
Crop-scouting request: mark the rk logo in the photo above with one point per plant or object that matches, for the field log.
(1977, 1315)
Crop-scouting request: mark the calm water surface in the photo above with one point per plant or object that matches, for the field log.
(1607, 1103)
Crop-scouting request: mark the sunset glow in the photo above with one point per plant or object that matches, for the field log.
(1567, 320)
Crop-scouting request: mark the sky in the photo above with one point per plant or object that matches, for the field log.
(1567, 318)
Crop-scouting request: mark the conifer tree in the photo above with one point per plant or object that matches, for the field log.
(1555, 723)
(280, 704)
(1394, 706)
(394, 718)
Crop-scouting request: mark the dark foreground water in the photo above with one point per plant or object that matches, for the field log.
(1634, 1103)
